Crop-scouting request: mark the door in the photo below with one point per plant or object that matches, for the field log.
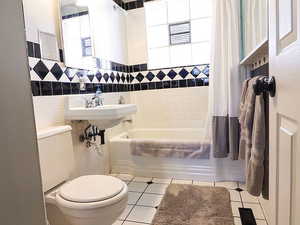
(285, 112)
(21, 194)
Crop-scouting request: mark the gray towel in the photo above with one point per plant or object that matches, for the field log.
(255, 157)
(253, 137)
(247, 116)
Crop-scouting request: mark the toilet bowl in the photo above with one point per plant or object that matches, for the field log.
(90, 200)
(86, 200)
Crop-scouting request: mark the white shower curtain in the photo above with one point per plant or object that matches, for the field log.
(225, 90)
(225, 78)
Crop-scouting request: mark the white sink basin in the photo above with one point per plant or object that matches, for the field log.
(103, 117)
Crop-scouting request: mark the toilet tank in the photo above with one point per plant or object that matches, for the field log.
(56, 155)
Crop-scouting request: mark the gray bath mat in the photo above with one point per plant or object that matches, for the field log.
(194, 205)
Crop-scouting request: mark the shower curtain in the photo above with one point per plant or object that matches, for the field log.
(225, 79)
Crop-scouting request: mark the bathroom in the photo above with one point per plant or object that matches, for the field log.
(109, 107)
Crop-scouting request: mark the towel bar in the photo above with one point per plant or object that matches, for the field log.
(265, 85)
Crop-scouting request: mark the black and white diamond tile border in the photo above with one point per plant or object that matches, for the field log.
(54, 78)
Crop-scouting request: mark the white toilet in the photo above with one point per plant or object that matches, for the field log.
(86, 200)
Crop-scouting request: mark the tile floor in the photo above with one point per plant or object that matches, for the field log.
(146, 193)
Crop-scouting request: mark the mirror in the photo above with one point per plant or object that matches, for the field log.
(76, 35)
(93, 33)
(254, 23)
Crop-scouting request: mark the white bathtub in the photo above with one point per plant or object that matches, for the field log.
(122, 161)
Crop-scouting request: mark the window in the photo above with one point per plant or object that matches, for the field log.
(178, 32)
(86, 44)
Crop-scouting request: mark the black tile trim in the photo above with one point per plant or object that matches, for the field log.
(48, 88)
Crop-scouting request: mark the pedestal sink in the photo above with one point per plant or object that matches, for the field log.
(104, 117)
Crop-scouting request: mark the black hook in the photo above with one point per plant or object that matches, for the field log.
(265, 85)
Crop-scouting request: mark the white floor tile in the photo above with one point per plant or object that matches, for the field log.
(242, 186)
(125, 212)
(201, 183)
(125, 177)
(142, 214)
(132, 223)
(246, 197)
(228, 185)
(237, 221)
(142, 179)
(261, 222)
(151, 200)
(133, 197)
(137, 187)
(235, 208)
(257, 210)
(177, 181)
(235, 196)
(118, 222)
(157, 188)
(162, 180)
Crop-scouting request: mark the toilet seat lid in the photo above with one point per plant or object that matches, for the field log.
(91, 188)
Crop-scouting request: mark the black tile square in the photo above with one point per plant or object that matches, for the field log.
(152, 86)
(37, 50)
(90, 77)
(56, 71)
(174, 84)
(66, 88)
(195, 72)
(144, 67)
(144, 86)
(136, 68)
(172, 74)
(123, 78)
(46, 88)
(131, 78)
(206, 70)
(41, 69)
(30, 50)
(106, 77)
(89, 88)
(247, 216)
(199, 82)
(98, 76)
(182, 83)
(131, 5)
(150, 76)
(112, 77)
(137, 87)
(140, 77)
(166, 84)
(139, 3)
(36, 88)
(109, 87)
(183, 73)
(57, 88)
(158, 85)
(161, 75)
(191, 83)
(75, 88)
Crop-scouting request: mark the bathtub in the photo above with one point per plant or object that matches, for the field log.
(123, 161)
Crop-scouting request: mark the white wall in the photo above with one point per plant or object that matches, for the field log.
(171, 108)
(136, 36)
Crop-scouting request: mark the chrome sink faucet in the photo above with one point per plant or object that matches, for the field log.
(96, 100)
